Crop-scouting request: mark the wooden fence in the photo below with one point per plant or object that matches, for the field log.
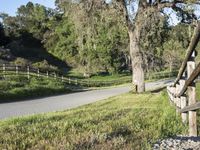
(13, 70)
(183, 93)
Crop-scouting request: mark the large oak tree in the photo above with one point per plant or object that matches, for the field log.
(137, 25)
(138, 20)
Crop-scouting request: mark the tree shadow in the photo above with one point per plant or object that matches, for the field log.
(28, 47)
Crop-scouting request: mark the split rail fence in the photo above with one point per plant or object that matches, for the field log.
(183, 91)
(14, 70)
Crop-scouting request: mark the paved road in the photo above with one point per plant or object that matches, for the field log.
(67, 101)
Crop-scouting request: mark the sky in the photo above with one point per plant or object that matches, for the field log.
(10, 6)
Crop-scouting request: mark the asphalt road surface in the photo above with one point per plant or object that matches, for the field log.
(67, 101)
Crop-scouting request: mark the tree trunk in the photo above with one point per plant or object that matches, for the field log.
(137, 61)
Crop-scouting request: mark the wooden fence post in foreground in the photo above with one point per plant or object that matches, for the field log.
(183, 99)
(192, 98)
(173, 92)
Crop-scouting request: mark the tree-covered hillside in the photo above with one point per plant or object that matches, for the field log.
(92, 42)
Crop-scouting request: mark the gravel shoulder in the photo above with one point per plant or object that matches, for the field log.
(178, 143)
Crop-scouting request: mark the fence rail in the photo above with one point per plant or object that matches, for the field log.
(183, 92)
(12, 70)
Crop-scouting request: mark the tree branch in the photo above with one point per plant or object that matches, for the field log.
(159, 5)
(123, 7)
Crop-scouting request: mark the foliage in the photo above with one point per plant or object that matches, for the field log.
(92, 39)
(60, 39)
(3, 39)
(19, 87)
(21, 62)
(44, 66)
(127, 121)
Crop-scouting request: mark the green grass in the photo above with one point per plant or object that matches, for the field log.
(19, 87)
(101, 80)
(128, 121)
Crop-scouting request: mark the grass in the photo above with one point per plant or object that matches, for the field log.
(105, 80)
(128, 121)
(19, 87)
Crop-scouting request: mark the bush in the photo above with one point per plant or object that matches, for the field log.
(21, 62)
(44, 65)
(19, 87)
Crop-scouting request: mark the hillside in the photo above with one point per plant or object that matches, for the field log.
(128, 121)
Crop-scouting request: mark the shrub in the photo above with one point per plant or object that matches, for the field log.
(21, 62)
(44, 65)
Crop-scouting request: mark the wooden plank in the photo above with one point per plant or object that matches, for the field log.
(192, 100)
(189, 81)
(192, 107)
(191, 48)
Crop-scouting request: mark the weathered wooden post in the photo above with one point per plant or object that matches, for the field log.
(28, 72)
(16, 69)
(62, 78)
(47, 74)
(38, 72)
(54, 75)
(192, 97)
(177, 99)
(69, 81)
(4, 70)
(183, 99)
(172, 94)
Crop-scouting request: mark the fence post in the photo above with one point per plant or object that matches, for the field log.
(192, 98)
(16, 69)
(177, 99)
(62, 78)
(76, 82)
(47, 74)
(172, 91)
(28, 72)
(38, 72)
(183, 100)
(54, 75)
(69, 81)
(4, 70)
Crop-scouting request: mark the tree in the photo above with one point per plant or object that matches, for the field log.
(137, 23)
(146, 11)
(2, 35)
(101, 40)
(59, 39)
(174, 53)
(175, 46)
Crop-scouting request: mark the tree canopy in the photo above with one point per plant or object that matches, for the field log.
(103, 36)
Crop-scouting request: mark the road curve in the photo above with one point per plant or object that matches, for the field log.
(63, 102)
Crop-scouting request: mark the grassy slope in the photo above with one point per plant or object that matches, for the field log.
(128, 121)
(20, 87)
